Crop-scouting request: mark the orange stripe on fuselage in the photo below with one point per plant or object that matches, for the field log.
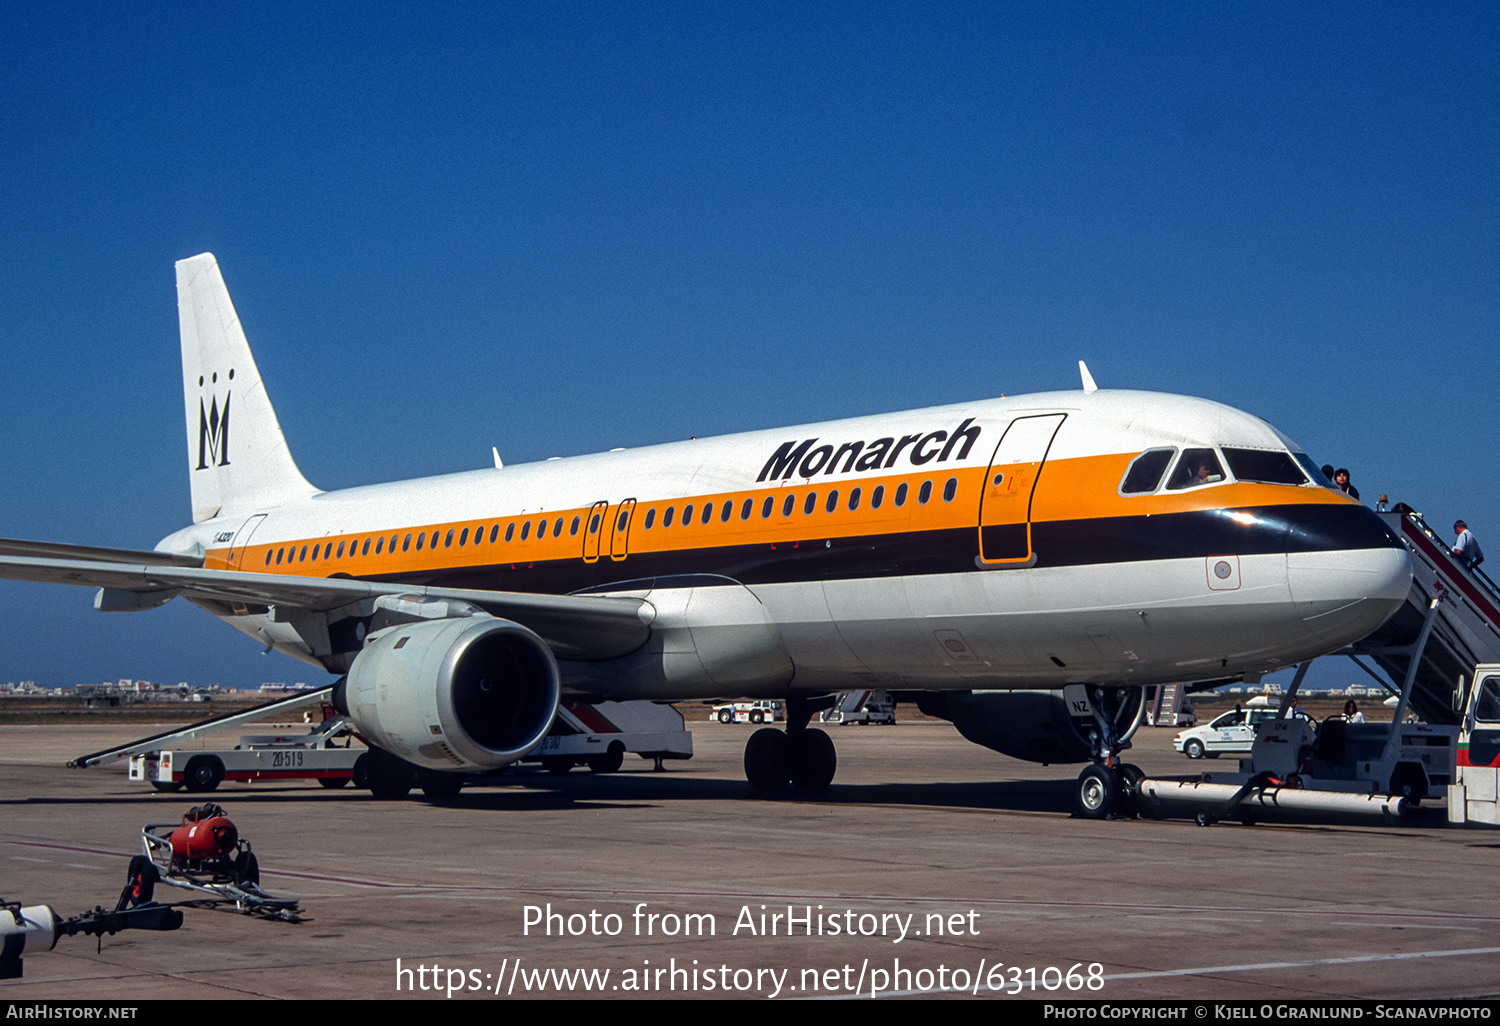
(1081, 488)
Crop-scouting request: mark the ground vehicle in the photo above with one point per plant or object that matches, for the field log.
(861, 707)
(1474, 796)
(751, 712)
(597, 735)
(1233, 732)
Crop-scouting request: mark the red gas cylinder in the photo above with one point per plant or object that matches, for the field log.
(206, 833)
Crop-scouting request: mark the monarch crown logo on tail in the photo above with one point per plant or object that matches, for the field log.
(213, 430)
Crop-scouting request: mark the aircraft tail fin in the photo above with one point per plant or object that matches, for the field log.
(251, 469)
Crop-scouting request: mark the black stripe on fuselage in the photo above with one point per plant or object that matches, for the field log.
(1247, 531)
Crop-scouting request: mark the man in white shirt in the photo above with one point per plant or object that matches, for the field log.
(1467, 547)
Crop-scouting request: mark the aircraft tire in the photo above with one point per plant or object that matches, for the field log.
(203, 773)
(439, 786)
(389, 777)
(610, 761)
(1193, 749)
(768, 760)
(361, 772)
(814, 760)
(1094, 796)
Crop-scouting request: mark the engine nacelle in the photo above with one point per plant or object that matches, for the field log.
(1030, 725)
(472, 693)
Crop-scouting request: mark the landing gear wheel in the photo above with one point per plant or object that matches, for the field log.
(768, 760)
(439, 786)
(814, 760)
(557, 764)
(1193, 749)
(167, 786)
(610, 761)
(725, 716)
(388, 776)
(1094, 796)
(1130, 801)
(203, 773)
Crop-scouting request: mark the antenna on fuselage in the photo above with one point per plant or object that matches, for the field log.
(1088, 379)
(496, 453)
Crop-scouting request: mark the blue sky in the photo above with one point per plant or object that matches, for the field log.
(559, 228)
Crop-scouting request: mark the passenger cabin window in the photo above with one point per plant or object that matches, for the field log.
(746, 509)
(854, 500)
(666, 518)
(925, 492)
(950, 489)
(650, 518)
(901, 494)
(510, 531)
(786, 507)
(687, 514)
(877, 496)
(833, 501)
(1143, 476)
(1265, 466)
(726, 512)
(765, 509)
(1196, 467)
(571, 530)
(811, 503)
(708, 512)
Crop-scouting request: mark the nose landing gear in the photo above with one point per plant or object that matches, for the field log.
(1109, 787)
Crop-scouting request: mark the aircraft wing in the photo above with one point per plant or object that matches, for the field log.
(576, 626)
(56, 550)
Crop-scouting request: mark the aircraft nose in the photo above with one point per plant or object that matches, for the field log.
(1344, 594)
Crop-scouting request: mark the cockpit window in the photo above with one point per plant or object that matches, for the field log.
(1263, 465)
(1145, 471)
(1313, 471)
(1196, 467)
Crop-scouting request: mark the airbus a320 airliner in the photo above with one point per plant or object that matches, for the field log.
(979, 558)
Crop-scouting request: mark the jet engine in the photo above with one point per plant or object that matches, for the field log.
(1030, 725)
(463, 694)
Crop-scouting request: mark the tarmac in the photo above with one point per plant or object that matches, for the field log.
(932, 866)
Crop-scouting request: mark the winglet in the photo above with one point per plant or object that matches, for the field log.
(1088, 379)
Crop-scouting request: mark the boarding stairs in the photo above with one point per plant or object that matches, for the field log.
(1465, 625)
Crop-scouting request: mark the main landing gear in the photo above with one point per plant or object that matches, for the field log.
(1109, 786)
(802, 755)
